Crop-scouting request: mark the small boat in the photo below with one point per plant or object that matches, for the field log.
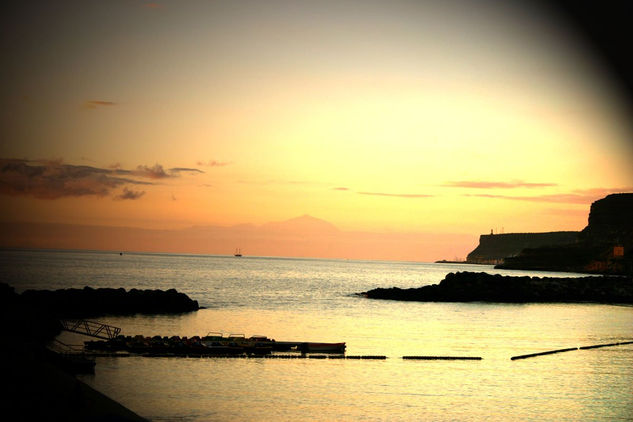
(238, 252)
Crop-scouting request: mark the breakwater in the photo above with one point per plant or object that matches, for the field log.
(479, 286)
(88, 302)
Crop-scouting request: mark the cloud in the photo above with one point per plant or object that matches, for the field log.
(396, 195)
(53, 179)
(579, 196)
(155, 172)
(92, 104)
(213, 163)
(184, 169)
(501, 185)
(341, 189)
(129, 194)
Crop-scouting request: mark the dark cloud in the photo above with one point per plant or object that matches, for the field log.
(155, 172)
(397, 195)
(98, 103)
(502, 185)
(53, 179)
(129, 194)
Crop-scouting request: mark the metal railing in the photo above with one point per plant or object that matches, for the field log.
(90, 328)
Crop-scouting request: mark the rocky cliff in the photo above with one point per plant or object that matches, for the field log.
(493, 248)
(605, 246)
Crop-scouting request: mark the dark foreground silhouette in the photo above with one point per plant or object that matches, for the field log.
(484, 287)
(40, 384)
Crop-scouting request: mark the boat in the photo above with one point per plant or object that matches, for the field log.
(238, 252)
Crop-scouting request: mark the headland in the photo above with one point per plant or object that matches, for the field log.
(604, 246)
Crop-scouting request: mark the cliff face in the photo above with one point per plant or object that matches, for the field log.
(493, 248)
(610, 221)
(605, 246)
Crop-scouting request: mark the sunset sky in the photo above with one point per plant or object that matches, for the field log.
(401, 117)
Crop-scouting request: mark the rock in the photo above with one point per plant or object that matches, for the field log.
(484, 287)
(89, 302)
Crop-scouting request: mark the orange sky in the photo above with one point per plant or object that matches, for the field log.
(404, 118)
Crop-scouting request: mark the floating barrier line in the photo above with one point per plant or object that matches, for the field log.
(605, 345)
(551, 352)
(442, 357)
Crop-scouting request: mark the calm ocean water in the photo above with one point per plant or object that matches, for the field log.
(312, 300)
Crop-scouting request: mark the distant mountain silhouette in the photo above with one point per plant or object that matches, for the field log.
(301, 225)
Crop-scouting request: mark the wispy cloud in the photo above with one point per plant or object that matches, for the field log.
(341, 189)
(397, 195)
(177, 170)
(129, 194)
(92, 104)
(213, 163)
(476, 184)
(579, 196)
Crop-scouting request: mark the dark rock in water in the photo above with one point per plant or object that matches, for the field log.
(484, 287)
(88, 302)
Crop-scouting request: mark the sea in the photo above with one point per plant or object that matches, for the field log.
(296, 299)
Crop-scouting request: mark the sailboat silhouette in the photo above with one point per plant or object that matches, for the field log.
(238, 252)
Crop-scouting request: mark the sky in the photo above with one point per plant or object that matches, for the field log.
(442, 120)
